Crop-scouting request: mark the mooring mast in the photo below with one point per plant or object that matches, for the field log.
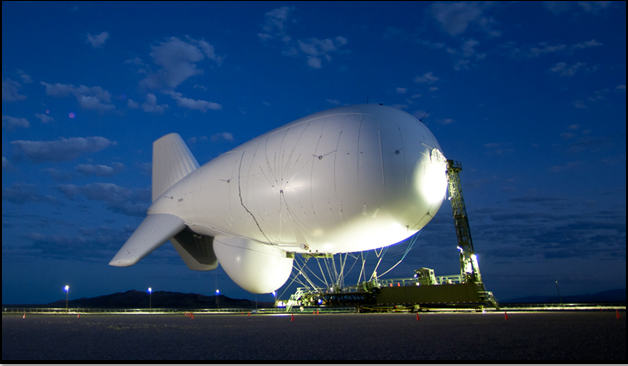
(469, 269)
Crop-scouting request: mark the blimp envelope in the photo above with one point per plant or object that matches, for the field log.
(347, 179)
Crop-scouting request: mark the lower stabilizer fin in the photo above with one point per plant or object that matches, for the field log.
(155, 230)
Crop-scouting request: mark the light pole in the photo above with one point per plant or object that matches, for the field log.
(150, 297)
(67, 294)
(217, 299)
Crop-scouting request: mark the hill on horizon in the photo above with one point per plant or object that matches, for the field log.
(160, 299)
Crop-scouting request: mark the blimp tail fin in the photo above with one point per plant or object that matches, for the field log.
(172, 160)
(155, 230)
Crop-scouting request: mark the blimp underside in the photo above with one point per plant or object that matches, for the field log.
(343, 180)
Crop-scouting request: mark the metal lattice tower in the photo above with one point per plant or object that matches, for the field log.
(469, 269)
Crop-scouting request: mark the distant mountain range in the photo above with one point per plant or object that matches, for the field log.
(176, 300)
(604, 296)
(160, 299)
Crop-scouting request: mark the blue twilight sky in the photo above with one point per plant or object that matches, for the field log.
(529, 96)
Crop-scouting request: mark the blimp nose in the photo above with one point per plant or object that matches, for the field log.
(431, 177)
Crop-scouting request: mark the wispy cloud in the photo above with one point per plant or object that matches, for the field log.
(275, 24)
(227, 136)
(563, 69)
(99, 170)
(6, 164)
(177, 60)
(201, 105)
(131, 202)
(314, 50)
(151, 105)
(455, 17)
(44, 118)
(93, 97)
(20, 193)
(427, 78)
(98, 40)
(62, 149)
(11, 123)
(10, 91)
(26, 79)
(593, 7)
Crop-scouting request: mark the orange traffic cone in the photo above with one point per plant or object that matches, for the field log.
(417, 316)
(192, 315)
(78, 315)
(249, 313)
(24, 316)
(505, 315)
(398, 285)
(617, 314)
(316, 311)
(292, 319)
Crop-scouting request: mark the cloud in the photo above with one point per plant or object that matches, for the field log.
(427, 78)
(313, 49)
(446, 121)
(20, 193)
(26, 79)
(10, 91)
(99, 170)
(131, 202)
(621, 87)
(594, 7)
(560, 168)
(317, 49)
(401, 90)
(563, 69)
(201, 105)
(88, 102)
(177, 60)
(6, 164)
(225, 135)
(98, 40)
(586, 44)
(132, 105)
(44, 118)
(62, 149)
(557, 7)
(333, 102)
(151, 104)
(275, 24)
(11, 123)
(544, 47)
(88, 97)
(455, 17)
(58, 175)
